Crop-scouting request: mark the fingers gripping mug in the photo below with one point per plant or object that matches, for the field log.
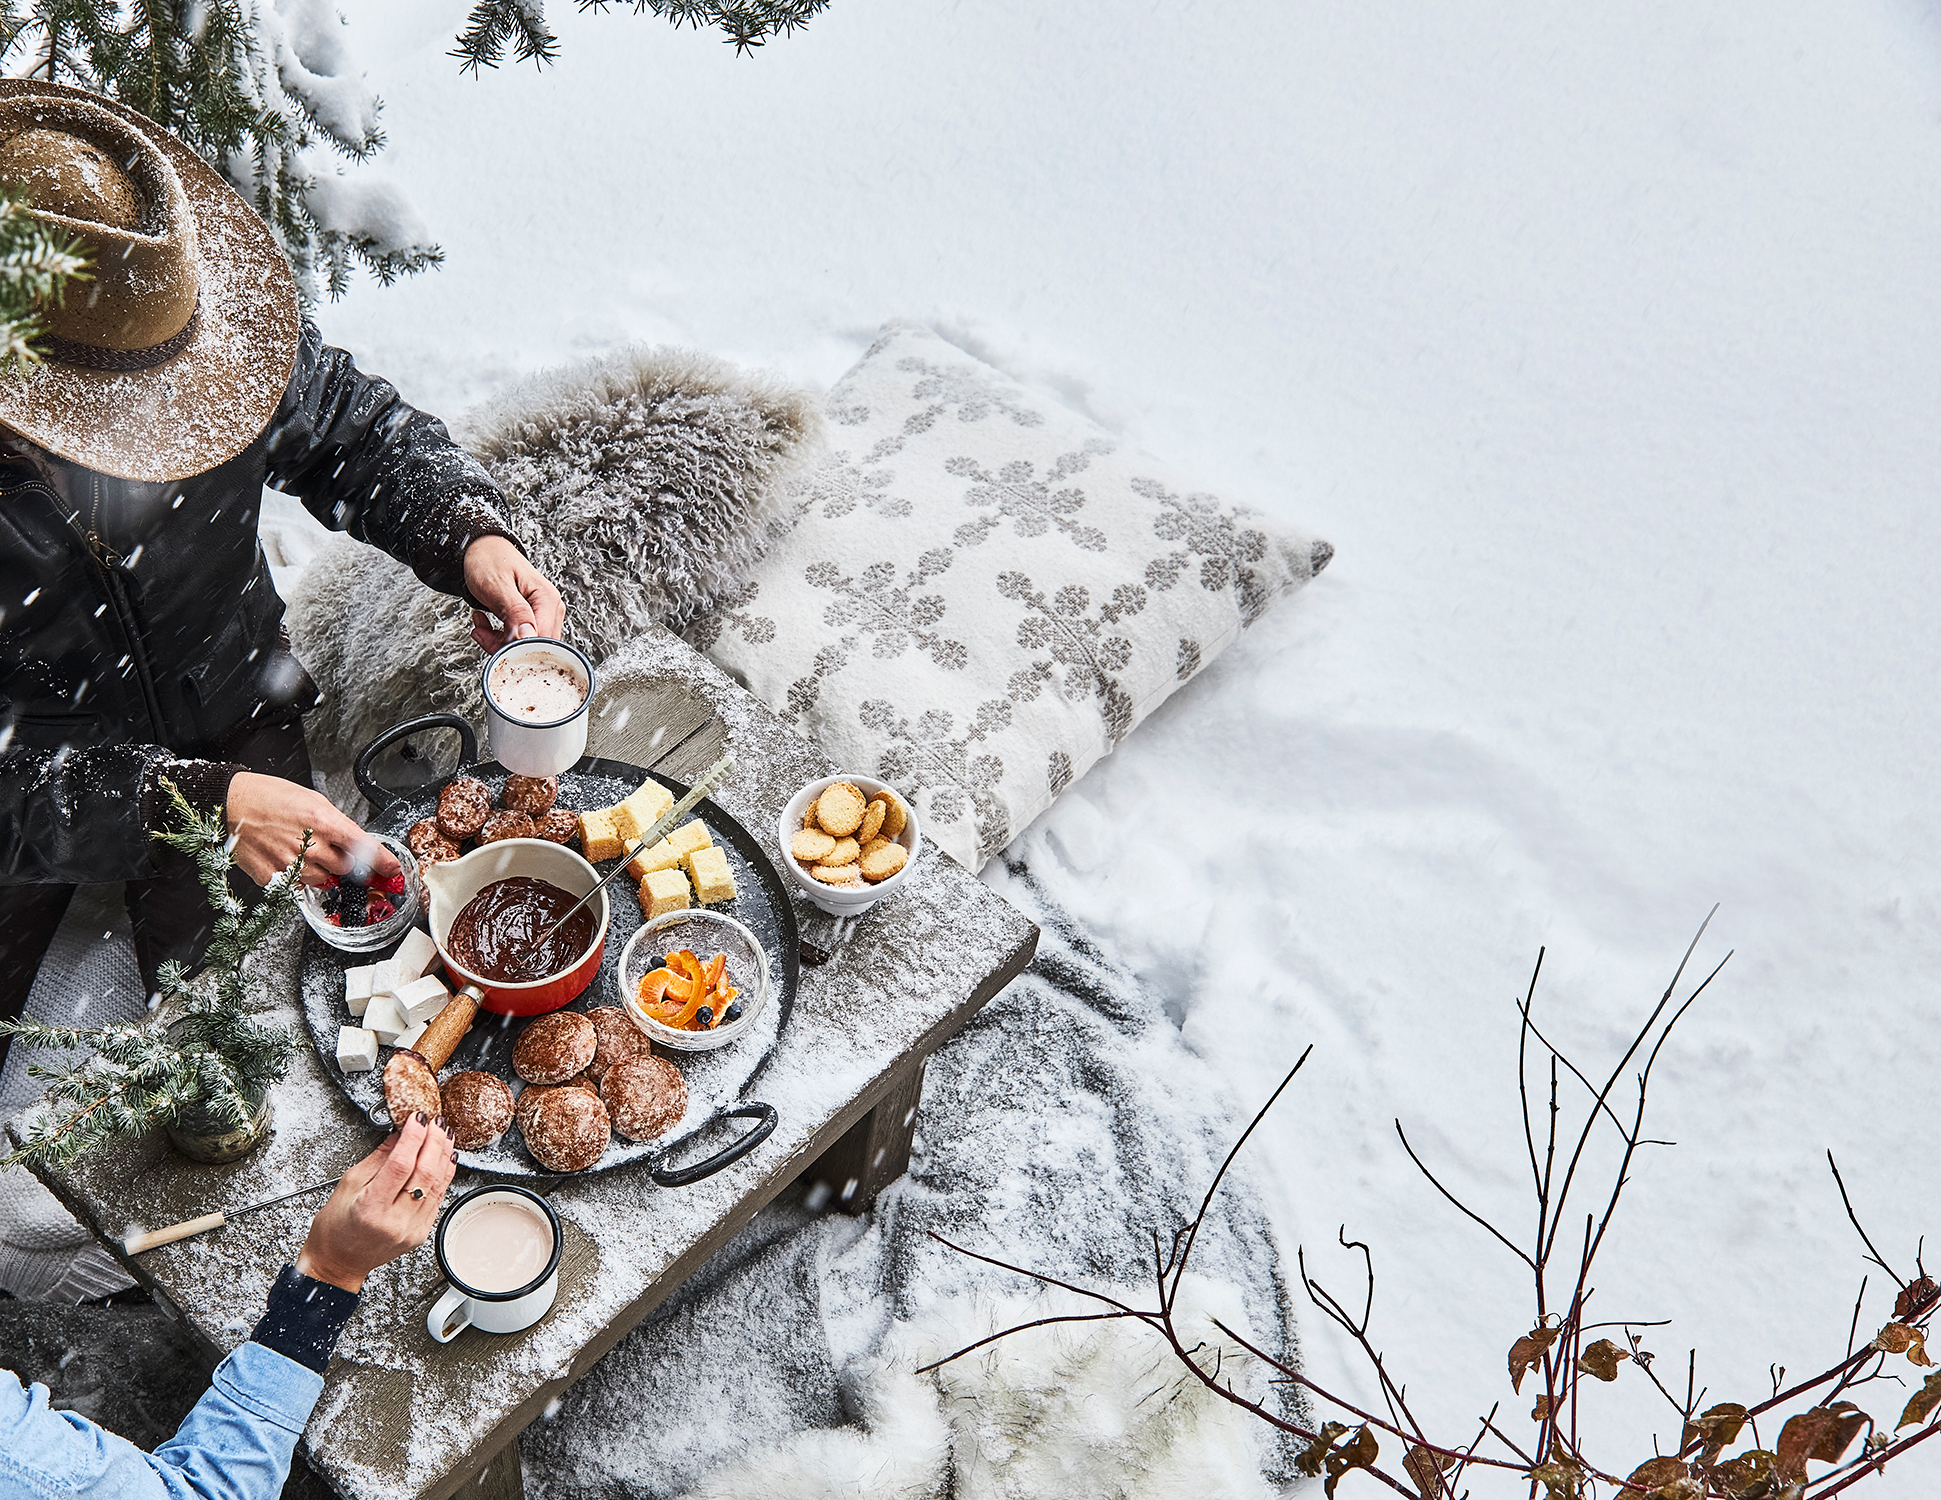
(537, 692)
(499, 1247)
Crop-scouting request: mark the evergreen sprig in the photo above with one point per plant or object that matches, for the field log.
(211, 1057)
(36, 268)
(496, 27)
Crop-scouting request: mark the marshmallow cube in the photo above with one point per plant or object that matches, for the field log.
(357, 987)
(386, 1019)
(421, 999)
(410, 1038)
(415, 955)
(384, 977)
(356, 1049)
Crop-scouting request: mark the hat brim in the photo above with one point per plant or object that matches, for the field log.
(208, 403)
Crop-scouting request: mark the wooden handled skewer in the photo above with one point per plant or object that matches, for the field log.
(148, 1239)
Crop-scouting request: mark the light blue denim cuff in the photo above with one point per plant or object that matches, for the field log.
(272, 1385)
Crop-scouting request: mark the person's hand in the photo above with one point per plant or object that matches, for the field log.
(503, 581)
(268, 815)
(372, 1218)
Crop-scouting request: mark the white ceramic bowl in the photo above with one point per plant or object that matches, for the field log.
(706, 933)
(831, 898)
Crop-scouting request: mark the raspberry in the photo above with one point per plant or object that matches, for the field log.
(391, 885)
(333, 919)
(330, 882)
(377, 909)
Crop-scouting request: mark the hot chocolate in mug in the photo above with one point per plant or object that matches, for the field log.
(499, 1248)
(537, 693)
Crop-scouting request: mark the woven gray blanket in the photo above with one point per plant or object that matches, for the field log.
(1059, 1130)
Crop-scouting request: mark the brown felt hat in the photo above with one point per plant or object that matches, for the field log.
(173, 358)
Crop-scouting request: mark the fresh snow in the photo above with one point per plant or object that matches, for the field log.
(1604, 346)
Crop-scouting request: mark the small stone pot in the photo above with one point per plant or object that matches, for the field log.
(202, 1137)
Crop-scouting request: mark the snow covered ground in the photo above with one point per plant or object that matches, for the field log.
(1603, 343)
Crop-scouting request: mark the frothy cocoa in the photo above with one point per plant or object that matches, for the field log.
(536, 687)
(498, 1244)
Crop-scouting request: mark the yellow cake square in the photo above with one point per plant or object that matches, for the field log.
(663, 891)
(708, 868)
(599, 839)
(641, 809)
(670, 851)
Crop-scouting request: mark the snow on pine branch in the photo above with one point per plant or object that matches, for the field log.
(496, 27)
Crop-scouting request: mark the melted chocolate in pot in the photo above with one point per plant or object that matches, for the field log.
(493, 932)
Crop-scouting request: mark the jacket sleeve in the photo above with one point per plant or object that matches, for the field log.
(364, 461)
(85, 817)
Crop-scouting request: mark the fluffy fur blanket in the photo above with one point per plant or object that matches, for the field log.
(1060, 1129)
(645, 484)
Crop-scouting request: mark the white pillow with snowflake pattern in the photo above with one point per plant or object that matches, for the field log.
(985, 592)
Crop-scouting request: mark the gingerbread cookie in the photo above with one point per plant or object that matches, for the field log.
(430, 843)
(561, 825)
(532, 795)
(478, 1108)
(568, 1130)
(645, 1097)
(619, 1039)
(462, 808)
(554, 1047)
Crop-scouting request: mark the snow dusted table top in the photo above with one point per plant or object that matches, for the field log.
(402, 1416)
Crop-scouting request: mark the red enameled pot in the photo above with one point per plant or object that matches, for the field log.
(451, 883)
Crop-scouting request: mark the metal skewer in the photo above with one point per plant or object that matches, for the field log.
(148, 1239)
(696, 793)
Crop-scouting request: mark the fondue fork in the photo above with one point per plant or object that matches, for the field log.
(148, 1239)
(707, 782)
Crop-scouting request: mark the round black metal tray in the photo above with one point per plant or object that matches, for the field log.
(719, 1082)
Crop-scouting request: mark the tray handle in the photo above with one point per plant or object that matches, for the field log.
(765, 1113)
(381, 797)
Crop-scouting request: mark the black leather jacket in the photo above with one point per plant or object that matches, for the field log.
(138, 624)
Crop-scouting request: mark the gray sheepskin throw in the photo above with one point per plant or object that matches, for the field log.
(646, 484)
(1061, 1129)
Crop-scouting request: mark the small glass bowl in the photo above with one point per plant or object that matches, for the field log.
(707, 933)
(378, 934)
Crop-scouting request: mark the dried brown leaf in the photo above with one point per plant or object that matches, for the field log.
(1920, 1406)
(1359, 1452)
(1528, 1350)
(1716, 1426)
(1541, 1410)
(1425, 1468)
(1678, 1489)
(1601, 1359)
(1847, 1422)
(1654, 1472)
(1798, 1438)
(1310, 1462)
(1753, 1475)
(1914, 1296)
(1561, 1480)
(1894, 1338)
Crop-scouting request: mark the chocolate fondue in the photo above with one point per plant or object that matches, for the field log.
(497, 1244)
(537, 687)
(493, 933)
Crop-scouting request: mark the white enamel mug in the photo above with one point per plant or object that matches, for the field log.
(464, 1306)
(534, 749)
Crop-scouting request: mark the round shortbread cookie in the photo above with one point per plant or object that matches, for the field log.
(840, 809)
(838, 875)
(873, 817)
(877, 843)
(881, 864)
(895, 818)
(811, 844)
(842, 852)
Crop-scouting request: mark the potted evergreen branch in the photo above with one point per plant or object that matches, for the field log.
(205, 1076)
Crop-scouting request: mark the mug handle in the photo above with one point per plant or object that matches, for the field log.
(734, 1152)
(381, 798)
(438, 1321)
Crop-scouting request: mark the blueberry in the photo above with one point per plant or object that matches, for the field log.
(732, 1013)
(705, 1015)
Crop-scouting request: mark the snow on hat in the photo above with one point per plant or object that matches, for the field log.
(174, 357)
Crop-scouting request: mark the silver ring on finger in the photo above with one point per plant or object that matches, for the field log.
(417, 1192)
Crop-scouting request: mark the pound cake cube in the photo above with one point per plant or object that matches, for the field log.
(708, 869)
(663, 891)
(600, 836)
(670, 851)
(641, 809)
(356, 1049)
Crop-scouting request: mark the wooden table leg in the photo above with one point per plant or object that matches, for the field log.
(502, 1479)
(874, 1152)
